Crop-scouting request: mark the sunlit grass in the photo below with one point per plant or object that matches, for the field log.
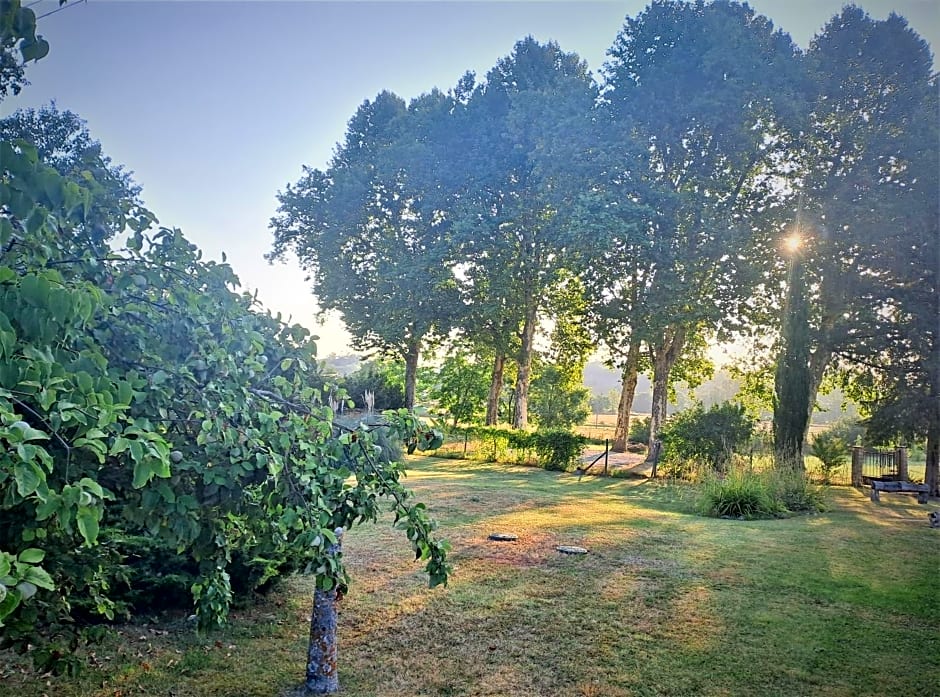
(665, 603)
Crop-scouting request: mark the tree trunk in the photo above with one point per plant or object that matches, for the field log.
(520, 415)
(322, 676)
(792, 379)
(627, 392)
(411, 373)
(932, 471)
(665, 355)
(818, 362)
(496, 387)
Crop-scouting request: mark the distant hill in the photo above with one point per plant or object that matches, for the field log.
(342, 365)
(600, 379)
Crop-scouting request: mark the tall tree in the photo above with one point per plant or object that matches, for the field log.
(701, 88)
(510, 238)
(867, 93)
(63, 142)
(370, 228)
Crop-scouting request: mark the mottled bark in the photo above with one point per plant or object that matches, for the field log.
(411, 374)
(665, 354)
(627, 393)
(520, 414)
(322, 676)
(496, 387)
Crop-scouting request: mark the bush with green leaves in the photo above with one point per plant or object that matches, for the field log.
(639, 430)
(142, 396)
(380, 378)
(558, 450)
(703, 437)
(557, 400)
(831, 451)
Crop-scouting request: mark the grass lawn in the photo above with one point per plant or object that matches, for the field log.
(842, 603)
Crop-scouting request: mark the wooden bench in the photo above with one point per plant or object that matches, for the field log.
(900, 488)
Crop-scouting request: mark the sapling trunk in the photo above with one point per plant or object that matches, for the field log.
(322, 675)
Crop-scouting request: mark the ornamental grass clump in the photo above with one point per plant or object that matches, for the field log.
(795, 493)
(744, 493)
(740, 494)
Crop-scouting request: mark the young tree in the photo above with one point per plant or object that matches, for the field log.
(462, 385)
(141, 393)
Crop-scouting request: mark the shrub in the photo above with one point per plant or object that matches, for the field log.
(379, 378)
(831, 451)
(850, 431)
(706, 437)
(558, 450)
(639, 430)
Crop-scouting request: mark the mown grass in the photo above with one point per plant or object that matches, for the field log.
(666, 603)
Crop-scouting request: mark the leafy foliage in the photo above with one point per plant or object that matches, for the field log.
(831, 451)
(462, 386)
(557, 400)
(141, 395)
(558, 450)
(640, 430)
(379, 378)
(19, 44)
(706, 437)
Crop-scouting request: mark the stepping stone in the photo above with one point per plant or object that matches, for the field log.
(569, 549)
(503, 537)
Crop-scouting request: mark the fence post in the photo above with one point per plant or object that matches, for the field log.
(900, 459)
(606, 450)
(858, 456)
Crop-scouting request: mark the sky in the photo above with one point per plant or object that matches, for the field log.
(215, 106)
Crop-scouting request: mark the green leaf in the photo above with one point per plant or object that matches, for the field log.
(26, 589)
(27, 432)
(85, 383)
(34, 50)
(40, 577)
(30, 556)
(6, 234)
(35, 290)
(87, 520)
(8, 605)
(28, 478)
(142, 474)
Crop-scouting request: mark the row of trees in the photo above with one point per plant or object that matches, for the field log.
(645, 213)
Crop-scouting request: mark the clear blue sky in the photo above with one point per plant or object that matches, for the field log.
(216, 105)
